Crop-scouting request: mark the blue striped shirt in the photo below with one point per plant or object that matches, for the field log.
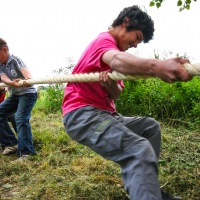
(13, 71)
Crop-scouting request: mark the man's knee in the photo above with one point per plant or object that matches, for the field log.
(153, 128)
(154, 123)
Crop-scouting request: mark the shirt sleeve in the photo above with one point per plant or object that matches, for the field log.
(19, 63)
(104, 43)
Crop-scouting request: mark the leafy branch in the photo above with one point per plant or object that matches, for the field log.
(182, 4)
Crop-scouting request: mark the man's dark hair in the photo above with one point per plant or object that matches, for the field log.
(136, 20)
(3, 43)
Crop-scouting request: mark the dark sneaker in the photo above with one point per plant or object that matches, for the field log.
(166, 196)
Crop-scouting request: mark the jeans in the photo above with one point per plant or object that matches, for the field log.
(7, 137)
(21, 106)
(13, 122)
(132, 142)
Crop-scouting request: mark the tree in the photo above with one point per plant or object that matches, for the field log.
(182, 4)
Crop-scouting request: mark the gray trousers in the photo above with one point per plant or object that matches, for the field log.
(132, 142)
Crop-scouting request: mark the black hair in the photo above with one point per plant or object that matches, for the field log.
(136, 20)
(3, 43)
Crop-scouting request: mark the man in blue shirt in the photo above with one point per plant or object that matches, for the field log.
(21, 102)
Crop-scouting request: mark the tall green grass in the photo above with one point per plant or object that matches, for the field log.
(177, 103)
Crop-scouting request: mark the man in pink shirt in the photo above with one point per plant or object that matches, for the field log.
(89, 112)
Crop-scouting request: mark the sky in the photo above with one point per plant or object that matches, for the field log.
(46, 33)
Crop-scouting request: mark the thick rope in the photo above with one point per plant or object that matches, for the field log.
(193, 69)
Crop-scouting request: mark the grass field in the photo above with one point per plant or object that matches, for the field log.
(65, 170)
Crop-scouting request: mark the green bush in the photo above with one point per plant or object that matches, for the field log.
(49, 98)
(177, 102)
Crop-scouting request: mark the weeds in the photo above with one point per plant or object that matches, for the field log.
(65, 170)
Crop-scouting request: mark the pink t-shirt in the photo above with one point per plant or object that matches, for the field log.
(77, 95)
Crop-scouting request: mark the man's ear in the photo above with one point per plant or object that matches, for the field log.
(126, 22)
(127, 19)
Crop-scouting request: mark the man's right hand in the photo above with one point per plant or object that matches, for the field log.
(172, 70)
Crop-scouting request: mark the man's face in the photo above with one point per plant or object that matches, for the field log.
(129, 39)
(3, 55)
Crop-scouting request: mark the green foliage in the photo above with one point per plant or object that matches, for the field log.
(54, 97)
(180, 3)
(172, 103)
(49, 99)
